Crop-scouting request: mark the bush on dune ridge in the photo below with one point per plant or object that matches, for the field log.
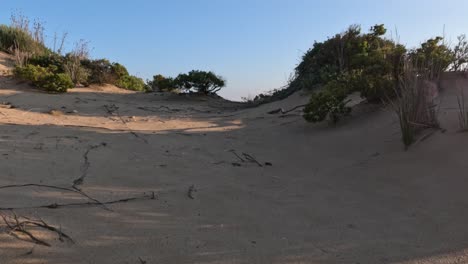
(47, 69)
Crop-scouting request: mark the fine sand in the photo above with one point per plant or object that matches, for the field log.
(231, 184)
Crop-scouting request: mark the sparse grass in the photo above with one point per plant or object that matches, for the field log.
(415, 110)
(462, 110)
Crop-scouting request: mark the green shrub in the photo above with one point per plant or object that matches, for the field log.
(201, 81)
(131, 83)
(58, 83)
(31, 73)
(328, 103)
(44, 78)
(103, 71)
(47, 61)
(161, 83)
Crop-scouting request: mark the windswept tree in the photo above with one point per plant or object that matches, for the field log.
(201, 81)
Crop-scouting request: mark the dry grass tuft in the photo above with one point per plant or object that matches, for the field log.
(414, 104)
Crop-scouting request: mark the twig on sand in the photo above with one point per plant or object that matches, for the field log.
(145, 196)
(249, 158)
(20, 228)
(237, 155)
(72, 189)
(140, 137)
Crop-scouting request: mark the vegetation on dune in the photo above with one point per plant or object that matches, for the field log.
(161, 83)
(50, 79)
(368, 63)
(46, 68)
(49, 69)
(381, 70)
(201, 82)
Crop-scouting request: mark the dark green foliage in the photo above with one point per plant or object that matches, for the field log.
(119, 70)
(328, 103)
(58, 83)
(54, 60)
(432, 58)
(161, 83)
(131, 83)
(356, 62)
(45, 78)
(31, 73)
(201, 81)
(101, 71)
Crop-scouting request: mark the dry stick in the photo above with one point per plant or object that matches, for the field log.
(19, 226)
(138, 136)
(20, 229)
(235, 153)
(73, 189)
(252, 159)
(56, 205)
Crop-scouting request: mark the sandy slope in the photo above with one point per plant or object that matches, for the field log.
(344, 194)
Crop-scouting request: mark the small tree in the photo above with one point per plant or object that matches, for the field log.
(202, 81)
(161, 83)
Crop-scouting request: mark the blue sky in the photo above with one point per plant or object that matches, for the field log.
(254, 44)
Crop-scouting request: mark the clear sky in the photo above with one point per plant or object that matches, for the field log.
(254, 44)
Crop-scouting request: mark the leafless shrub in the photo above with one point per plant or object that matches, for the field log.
(21, 57)
(58, 46)
(38, 31)
(20, 21)
(73, 62)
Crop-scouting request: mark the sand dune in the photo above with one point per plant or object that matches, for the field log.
(265, 188)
